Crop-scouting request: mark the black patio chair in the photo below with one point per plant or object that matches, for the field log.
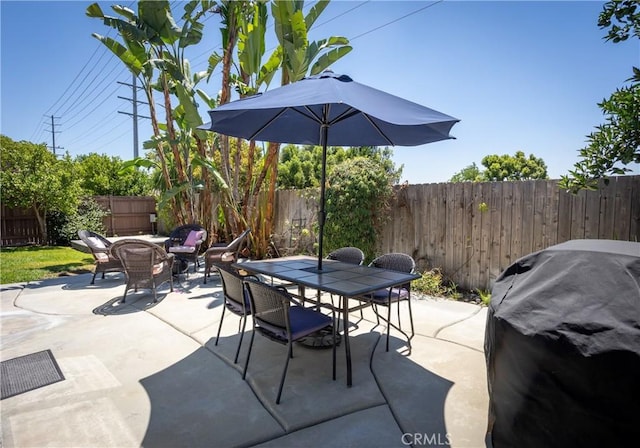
(186, 242)
(276, 318)
(100, 249)
(146, 265)
(388, 296)
(351, 255)
(236, 299)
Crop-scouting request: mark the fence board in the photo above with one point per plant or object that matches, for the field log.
(622, 207)
(495, 218)
(505, 227)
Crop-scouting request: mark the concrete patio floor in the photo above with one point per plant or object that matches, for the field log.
(144, 374)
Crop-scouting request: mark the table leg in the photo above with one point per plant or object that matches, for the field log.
(347, 346)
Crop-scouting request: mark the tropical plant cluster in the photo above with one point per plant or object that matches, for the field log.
(226, 184)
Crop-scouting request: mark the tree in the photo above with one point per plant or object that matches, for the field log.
(470, 173)
(616, 143)
(300, 167)
(516, 167)
(101, 175)
(32, 177)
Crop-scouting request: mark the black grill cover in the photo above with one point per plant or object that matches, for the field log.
(562, 345)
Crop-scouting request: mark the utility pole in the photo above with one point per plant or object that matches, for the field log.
(53, 131)
(134, 102)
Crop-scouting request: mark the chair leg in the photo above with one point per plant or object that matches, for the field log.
(334, 348)
(388, 323)
(246, 362)
(413, 333)
(93, 279)
(284, 371)
(244, 324)
(224, 308)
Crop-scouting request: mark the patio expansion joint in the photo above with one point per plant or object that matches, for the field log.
(375, 378)
(451, 324)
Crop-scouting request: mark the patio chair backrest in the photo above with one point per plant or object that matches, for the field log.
(232, 285)
(395, 262)
(94, 241)
(270, 307)
(351, 255)
(234, 246)
(141, 259)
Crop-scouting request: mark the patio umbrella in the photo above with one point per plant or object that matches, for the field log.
(330, 110)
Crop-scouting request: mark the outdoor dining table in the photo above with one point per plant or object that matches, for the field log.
(343, 279)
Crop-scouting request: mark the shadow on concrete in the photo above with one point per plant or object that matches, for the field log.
(136, 302)
(202, 400)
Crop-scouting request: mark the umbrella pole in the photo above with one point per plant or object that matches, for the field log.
(322, 215)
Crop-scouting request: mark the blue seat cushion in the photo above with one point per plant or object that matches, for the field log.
(304, 321)
(236, 307)
(381, 296)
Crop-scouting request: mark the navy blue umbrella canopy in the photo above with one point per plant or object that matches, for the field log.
(330, 110)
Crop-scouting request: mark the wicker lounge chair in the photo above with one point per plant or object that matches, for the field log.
(228, 253)
(146, 265)
(186, 242)
(99, 246)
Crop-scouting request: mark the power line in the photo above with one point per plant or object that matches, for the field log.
(396, 20)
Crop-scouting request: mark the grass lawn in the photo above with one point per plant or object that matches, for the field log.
(23, 264)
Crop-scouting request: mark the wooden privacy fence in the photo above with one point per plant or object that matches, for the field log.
(473, 231)
(128, 215)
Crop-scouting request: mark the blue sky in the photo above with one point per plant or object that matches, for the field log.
(519, 75)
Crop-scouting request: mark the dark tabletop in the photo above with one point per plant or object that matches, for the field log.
(336, 277)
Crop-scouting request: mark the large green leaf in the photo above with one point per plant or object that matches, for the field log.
(327, 59)
(127, 13)
(187, 101)
(207, 165)
(121, 52)
(94, 10)
(191, 34)
(156, 14)
(251, 41)
(210, 102)
(269, 69)
(214, 60)
(315, 12)
(138, 163)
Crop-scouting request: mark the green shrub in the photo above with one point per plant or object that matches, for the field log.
(357, 202)
(63, 227)
(485, 296)
(432, 283)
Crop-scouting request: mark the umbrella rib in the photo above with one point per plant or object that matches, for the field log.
(372, 123)
(268, 123)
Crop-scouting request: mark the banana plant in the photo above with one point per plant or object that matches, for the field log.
(153, 48)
